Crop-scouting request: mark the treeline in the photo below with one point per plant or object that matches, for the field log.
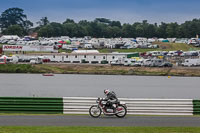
(14, 21)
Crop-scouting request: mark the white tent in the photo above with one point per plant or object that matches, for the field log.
(85, 51)
(10, 37)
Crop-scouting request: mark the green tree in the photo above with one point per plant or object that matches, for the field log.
(27, 26)
(139, 32)
(12, 16)
(162, 30)
(57, 29)
(84, 23)
(128, 31)
(102, 20)
(51, 30)
(68, 21)
(116, 23)
(46, 31)
(102, 27)
(14, 30)
(172, 30)
(70, 29)
(150, 31)
(43, 21)
(190, 28)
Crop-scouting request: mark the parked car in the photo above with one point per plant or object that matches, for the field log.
(166, 64)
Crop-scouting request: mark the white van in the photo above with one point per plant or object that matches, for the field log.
(117, 62)
(191, 62)
(36, 60)
(129, 62)
(156, 62)
(147, 62)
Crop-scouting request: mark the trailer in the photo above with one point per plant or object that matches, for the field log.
(156, 62)
(191, 62)
(118, 61)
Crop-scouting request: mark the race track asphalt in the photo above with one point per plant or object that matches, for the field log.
(86, 120)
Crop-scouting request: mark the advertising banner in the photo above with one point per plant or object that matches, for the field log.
(13, 48)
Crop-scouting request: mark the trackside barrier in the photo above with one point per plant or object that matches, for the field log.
(196, 107)
(81, 105)
(31, 105)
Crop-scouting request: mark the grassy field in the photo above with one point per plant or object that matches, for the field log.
(1, 45)
(175, 46)
(18, 68)
(13, 129)
(116, 70)
(98, 69)
(162, 47)
(125, 50)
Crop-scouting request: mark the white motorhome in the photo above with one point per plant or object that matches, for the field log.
(155, 53)
(5, 59)
(88, 46)
(191, 62)
(129, 62)
(118, 61)
(36, 60)
(147, 62)
(156, 62)
(138, 62)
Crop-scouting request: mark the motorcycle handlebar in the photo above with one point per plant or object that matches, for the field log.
(99, 99)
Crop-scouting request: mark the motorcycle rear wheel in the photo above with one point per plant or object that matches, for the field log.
(123, 113)
(95, 111)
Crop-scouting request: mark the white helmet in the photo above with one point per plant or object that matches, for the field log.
(106, 92)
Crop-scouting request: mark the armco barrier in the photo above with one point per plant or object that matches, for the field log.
(196, 107)
(31, 105)
(81, 105)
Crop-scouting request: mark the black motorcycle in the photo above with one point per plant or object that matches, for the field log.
(101, 106)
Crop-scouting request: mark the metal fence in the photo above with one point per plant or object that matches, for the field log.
(31, 105)
(81, 105)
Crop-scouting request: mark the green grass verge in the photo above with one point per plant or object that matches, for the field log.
(90, 69)
(18, 68)
(175, 46)
(27, 129)
(125, 50)
(162, 47)
(1, 45)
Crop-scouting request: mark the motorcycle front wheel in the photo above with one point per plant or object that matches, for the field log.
(95, 111)
(123, 111)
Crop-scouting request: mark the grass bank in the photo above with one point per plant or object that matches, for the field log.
(98, 69)
(13, 129)
(18, 68)
(1, 45)
(163, 46)
(175, 46)
(117, 70)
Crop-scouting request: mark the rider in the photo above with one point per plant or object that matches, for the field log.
(111, 99)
